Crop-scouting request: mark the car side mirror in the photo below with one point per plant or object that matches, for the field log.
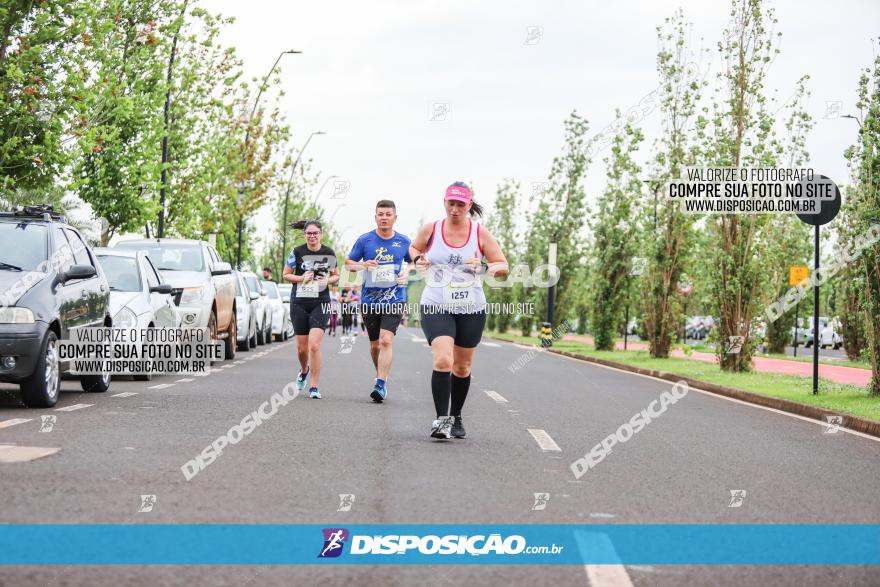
(78, 272)
(254, 296)
(221, 268)
(162, 288)
(263, 292)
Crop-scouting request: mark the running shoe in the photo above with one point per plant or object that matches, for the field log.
(379, 393)
(301, 378)
(458, 428)
(314, 393)
(441, 427)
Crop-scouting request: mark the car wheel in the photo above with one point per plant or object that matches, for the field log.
(254, 338)
(144, 376)
(95, 383)
(267, 335)
(245, 345)
(212, 328)
(41, 389)
(260, 340)
(230, 342)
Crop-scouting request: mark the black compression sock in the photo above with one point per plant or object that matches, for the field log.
(460, 387)
(440, 388)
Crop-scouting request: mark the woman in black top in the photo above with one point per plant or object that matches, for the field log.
(311, 268)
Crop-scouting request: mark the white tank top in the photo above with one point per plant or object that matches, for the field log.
(448, 282)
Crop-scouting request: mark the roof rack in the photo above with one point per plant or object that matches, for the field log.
(45, 211)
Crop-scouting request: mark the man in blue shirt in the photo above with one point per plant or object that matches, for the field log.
(384, 254)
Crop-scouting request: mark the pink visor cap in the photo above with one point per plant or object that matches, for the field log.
(458, 193)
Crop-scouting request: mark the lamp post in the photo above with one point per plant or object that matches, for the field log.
(287, 193)
(247, 137)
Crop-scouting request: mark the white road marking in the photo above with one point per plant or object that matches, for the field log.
(161, 386)
(730, 399)
(124, 394)
(74, 407)
(597, 544)
(418, 339)
(543, 439)
(23, 454)
(484, 343)
(13, 422)
(184, 380)
(496, 396)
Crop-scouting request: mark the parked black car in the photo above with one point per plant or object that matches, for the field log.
(50, 283)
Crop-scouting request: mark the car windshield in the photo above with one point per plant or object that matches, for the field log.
(238, 291)
(285, 288)
(170, 256)
(271, 290)
(23, 245)
(252, 283)
(122, 273)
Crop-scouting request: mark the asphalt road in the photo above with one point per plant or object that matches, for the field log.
(292, 468)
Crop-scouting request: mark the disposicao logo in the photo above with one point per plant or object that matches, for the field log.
(334, 540)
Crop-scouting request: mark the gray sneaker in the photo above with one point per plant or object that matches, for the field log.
(441, 428)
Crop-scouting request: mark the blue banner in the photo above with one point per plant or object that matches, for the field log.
(247, 544)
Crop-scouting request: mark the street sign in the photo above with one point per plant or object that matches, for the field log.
(828, 209)
(797, 273)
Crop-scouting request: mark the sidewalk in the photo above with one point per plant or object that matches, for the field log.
(838, 374)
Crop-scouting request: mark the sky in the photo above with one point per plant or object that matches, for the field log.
(415, 95)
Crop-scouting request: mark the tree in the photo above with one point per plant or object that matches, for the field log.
(116, 166)
(560, 218)
(502, 223)
(615, 237)
(672, 238)
(39, 80)
(787, 239)
(740, 134)
(864, 161)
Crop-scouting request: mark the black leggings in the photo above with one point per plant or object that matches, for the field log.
(308, 315)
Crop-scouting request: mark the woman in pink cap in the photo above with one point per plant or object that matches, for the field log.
(453, 305)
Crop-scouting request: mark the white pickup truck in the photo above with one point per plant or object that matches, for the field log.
(203, 287)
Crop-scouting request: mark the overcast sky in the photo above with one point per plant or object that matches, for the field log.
(371, 74)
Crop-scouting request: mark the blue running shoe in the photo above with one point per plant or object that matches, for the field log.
(301, 378)
(314, 393)
(379, 393)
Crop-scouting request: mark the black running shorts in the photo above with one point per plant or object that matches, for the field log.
(378, 318)
(465, 329)
(308, 315)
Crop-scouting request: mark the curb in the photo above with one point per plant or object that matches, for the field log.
(856, 423)
(863, 425)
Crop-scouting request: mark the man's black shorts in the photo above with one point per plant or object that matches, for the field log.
(378, 318)
(308, 315)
